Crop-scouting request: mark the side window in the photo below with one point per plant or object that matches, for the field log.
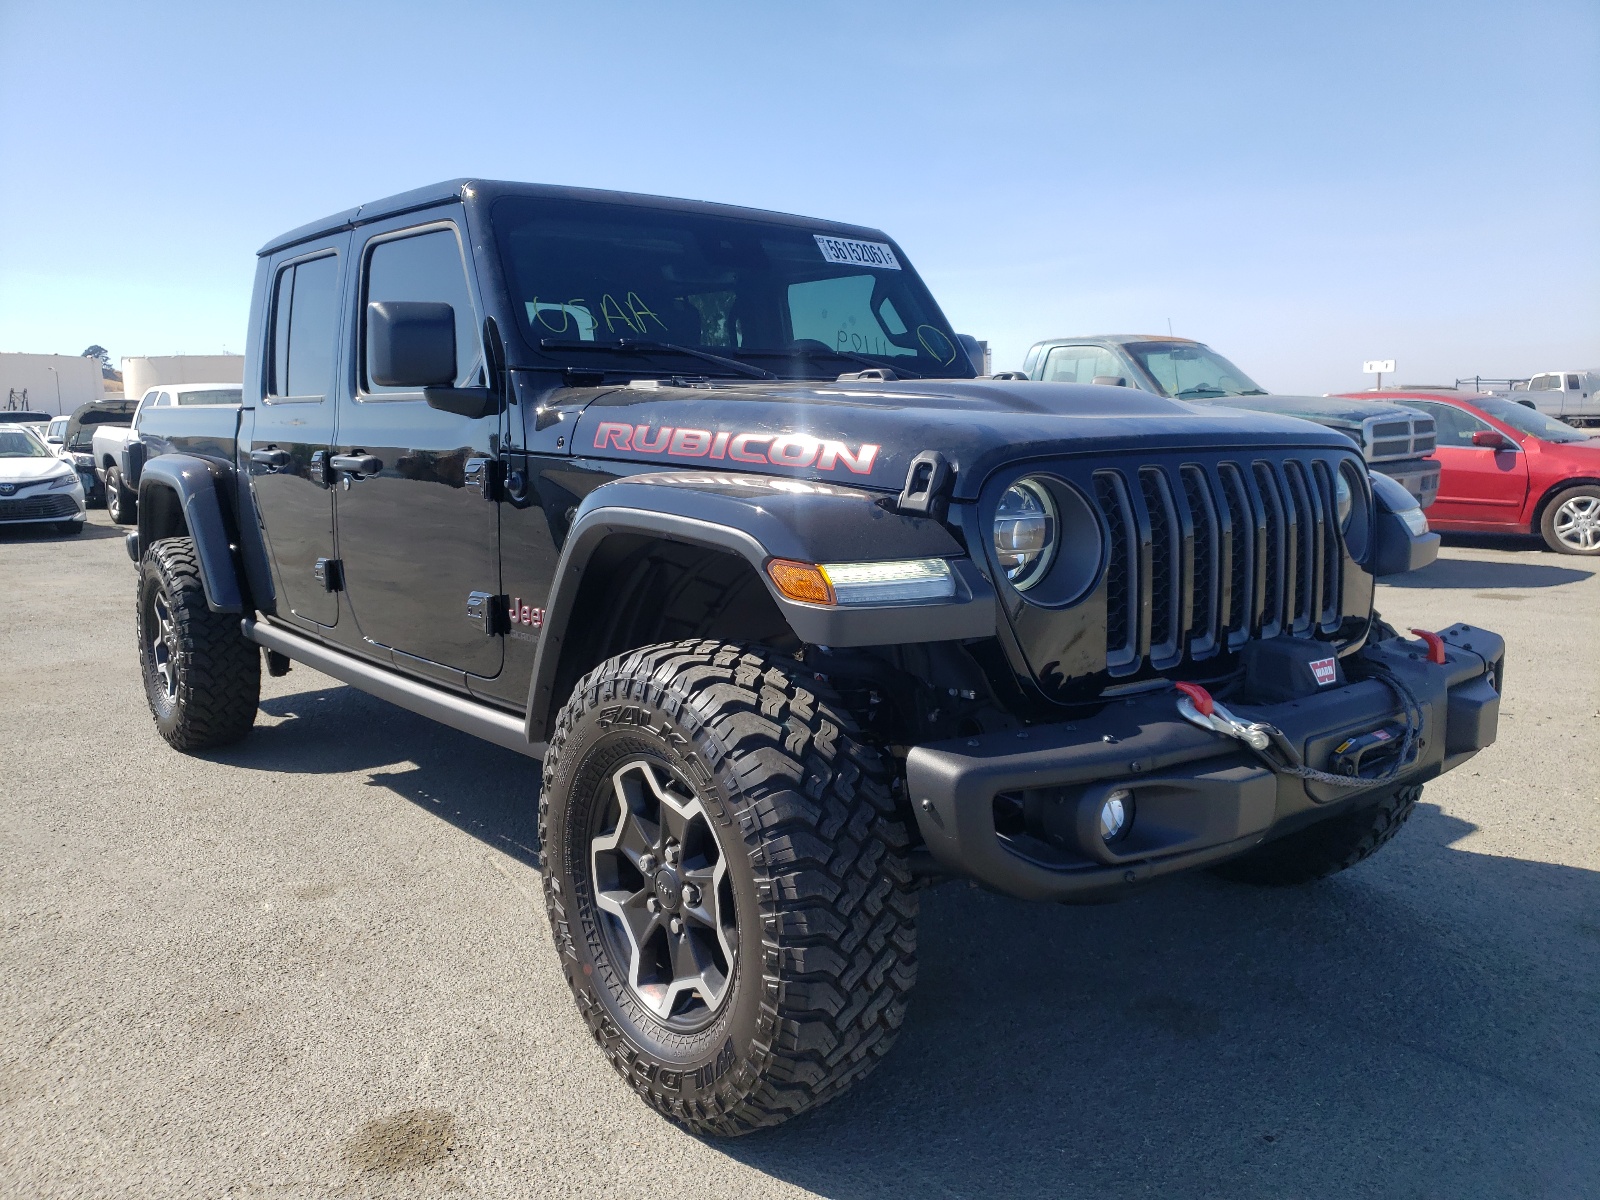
(428, 267)
(1453, 427)
(1572, 383)
(838, 313)
(305, 318)
(1539, 383)
(1080, 364)
(164, 399)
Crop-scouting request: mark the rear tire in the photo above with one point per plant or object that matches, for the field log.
(1571, 521)
(1327, 847)
(120, 501)
(726, 882)
(201, 677)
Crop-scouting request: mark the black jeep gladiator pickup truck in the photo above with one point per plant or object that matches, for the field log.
(704, 508)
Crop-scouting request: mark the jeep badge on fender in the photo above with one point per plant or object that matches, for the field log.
(800, 615)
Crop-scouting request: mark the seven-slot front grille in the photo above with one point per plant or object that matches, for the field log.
(37, 508)
(1206, 557)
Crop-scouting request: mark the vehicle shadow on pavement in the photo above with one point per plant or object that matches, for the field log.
(1423, 1025)
(480, 788)
(1467, 573)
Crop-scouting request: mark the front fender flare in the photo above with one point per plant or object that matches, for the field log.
(194, 482)
(760, 518)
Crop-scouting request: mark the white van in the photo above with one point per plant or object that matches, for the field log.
(1574, 396)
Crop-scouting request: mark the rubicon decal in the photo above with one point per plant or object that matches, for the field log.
(779, 450)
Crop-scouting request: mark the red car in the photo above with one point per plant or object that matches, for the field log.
(1506, 468)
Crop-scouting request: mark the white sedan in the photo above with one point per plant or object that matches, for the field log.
(35, 485)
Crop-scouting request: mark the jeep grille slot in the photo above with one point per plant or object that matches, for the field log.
(1206, 557)
(1111, 493)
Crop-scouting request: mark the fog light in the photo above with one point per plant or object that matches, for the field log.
(1116, 814)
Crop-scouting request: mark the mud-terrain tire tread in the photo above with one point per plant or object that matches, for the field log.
(817, 814)
(1327, 847)
(219, 671)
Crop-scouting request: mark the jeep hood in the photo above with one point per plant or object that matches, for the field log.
(865, 434)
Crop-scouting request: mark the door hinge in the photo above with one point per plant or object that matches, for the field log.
(485, 475)
(492, 611)
(330, 574)
(318, 469)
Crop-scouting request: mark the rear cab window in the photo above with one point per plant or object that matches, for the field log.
(305, 301)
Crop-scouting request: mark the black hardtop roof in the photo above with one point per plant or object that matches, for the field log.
(484, 191)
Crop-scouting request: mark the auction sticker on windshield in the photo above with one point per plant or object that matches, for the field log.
(857, 254)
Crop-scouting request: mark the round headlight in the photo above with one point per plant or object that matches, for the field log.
(1342, 499)
(1025, 536)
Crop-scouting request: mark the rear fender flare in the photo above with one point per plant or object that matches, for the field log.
(180, 495)
(760, 518)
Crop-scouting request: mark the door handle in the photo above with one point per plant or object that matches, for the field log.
(270, 458)
(357, 464)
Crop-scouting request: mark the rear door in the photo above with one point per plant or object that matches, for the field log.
(417, 533)
(293, 428)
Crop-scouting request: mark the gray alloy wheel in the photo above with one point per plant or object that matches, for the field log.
(661, 881)
(163, 652)
(1571, 522)
(117, 498)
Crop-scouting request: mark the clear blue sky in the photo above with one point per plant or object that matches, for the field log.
(1302, 186)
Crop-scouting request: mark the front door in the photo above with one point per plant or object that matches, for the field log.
(418, 528)
(292, 432)
(1477, 484)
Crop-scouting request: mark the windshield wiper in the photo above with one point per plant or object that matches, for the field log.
(1253, 392)
(805, 354)
(1204, 390)
(639, 346)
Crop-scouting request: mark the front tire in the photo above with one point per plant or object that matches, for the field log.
(1571, 521)
(726, 882)
(119, 500)
(1327, 847)
(201, 677)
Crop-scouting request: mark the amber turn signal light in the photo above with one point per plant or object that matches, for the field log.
(801, 581)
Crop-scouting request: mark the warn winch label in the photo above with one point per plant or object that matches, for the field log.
(780, 450)
(1324, 671)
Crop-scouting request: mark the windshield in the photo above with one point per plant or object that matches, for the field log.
(1188, 369)
(1526, 420)
(587, 279)
(19, 443)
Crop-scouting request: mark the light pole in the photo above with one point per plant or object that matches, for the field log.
(57, 374)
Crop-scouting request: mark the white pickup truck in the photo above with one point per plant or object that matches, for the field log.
(1573, 396)
(111, 465)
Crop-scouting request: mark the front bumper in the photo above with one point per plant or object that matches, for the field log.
(1419, 476)
(1019, 811)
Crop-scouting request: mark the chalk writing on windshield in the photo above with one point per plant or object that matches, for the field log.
(575, 316)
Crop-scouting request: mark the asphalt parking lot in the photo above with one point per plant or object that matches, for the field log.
(316, 964)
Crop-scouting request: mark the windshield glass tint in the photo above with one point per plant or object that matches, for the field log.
(18, 443)
(769, 294)
(1526, 420)
(1189, 369)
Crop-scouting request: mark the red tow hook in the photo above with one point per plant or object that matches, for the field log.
(1199, 697)
(1435, 645)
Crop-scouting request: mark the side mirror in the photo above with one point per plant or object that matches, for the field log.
(1110, 380)
(1493, 439)
(411, 343)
